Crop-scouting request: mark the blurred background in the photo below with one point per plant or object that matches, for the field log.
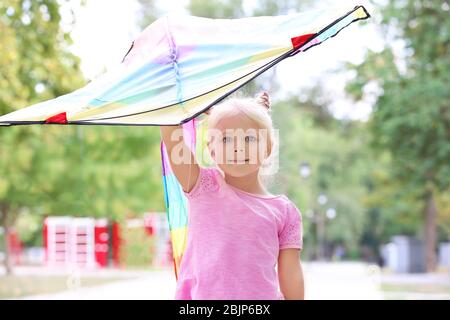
(364, 125)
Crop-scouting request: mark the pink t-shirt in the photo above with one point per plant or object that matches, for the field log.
(233, 241)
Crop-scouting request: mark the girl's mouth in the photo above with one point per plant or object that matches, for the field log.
(239, 161)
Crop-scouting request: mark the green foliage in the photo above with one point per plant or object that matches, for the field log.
(148, 13)
(138, 248)
(59, 170)
(271, 8)
(29, 227)
(412, 115)
(218, 9)
(36, 65)
(105, 171)
(411, 119)
(339, 159)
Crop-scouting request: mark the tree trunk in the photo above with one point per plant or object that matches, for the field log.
(430, 232)
(4, 215)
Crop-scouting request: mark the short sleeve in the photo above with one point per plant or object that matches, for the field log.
(206, 183)
(291, 235)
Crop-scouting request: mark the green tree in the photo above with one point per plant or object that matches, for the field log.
(339, 161)
(104, 171)
(36, 65)
(64, 170)
(411, 117)
(271, 7)
(217, 9)
(148, 13)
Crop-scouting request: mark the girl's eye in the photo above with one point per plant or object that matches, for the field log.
(250, 139)
(226, 139)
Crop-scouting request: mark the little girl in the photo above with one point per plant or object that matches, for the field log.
(238, 232)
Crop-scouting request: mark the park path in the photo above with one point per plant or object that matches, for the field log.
(323, 281)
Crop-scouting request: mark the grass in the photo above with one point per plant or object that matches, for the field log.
(416, 288)
(14, 286)
(412, 291)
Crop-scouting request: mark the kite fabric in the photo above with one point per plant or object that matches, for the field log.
(181, 65)
(178, 68)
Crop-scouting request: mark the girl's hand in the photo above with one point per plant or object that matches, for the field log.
(208, 112)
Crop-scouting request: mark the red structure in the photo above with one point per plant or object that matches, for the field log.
(15, 246)
(87, 242)
(101, 242)
(76, 241)
(116, 244)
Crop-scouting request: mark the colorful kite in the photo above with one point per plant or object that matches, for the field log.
(179, 67)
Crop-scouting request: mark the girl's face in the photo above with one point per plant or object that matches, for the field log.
(238, 146)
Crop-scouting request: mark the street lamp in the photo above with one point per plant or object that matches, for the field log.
(322, 199)
(304, 170)
(316, 215)
(331, 213)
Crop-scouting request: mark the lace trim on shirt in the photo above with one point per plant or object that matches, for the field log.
(290, 236)
(207, 183)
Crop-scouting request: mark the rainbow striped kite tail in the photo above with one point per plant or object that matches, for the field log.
(175, 200)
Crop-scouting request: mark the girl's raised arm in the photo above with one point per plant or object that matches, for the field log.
(182, 160)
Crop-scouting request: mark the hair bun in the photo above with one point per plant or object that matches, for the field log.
(263, 99)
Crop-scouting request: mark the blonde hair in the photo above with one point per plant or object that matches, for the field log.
(255, 110)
